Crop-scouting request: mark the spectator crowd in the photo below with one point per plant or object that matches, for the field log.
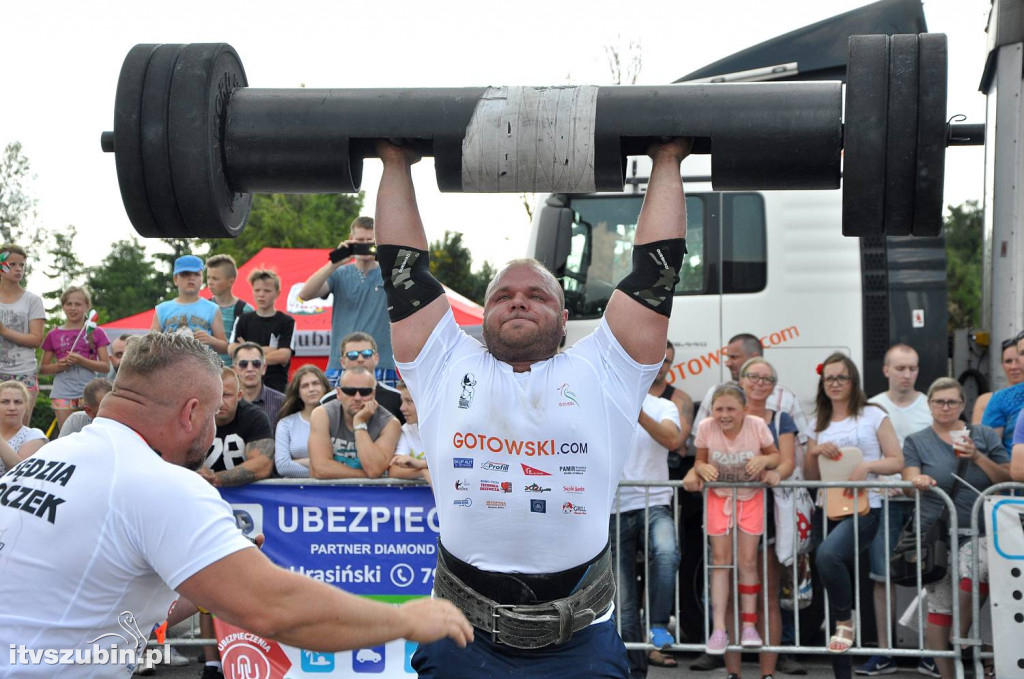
(358, 420)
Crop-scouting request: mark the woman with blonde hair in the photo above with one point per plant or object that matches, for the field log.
(16, 440)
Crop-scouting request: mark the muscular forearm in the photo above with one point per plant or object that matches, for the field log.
(373, 458)
(277, 356)
(312, 288)
(666, 433)
(318, 617)
(397, 215)
(252, 470)
(332, 469)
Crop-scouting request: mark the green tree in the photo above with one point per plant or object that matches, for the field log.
(126, 282)
(963, 231)
(64, 268)
(451, 263)
(299, 220)
(17, 206)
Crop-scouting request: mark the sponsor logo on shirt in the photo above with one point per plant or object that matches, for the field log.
(532, 448)
(532, 471)
(573, 490)
(494, 466)
(571, 470)
(535, 488)
(570, 508)
(468, 391)
(490, 485)
(462, 484)
(463, 463)
(496, 504)
(539, 506)
(465, 502)
(568, 397)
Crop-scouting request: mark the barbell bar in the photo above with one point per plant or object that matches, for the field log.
(193, 142)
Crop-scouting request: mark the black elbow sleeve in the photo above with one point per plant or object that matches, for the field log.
(408, 282)
(652, 282)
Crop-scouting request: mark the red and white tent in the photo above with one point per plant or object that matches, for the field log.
(312, 317)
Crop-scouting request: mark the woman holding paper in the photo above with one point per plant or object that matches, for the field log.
(74, 353)
(846, 420)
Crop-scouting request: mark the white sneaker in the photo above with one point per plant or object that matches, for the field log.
(146, 668)
(176, 659)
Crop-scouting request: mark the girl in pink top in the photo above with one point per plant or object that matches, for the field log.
(733, 448)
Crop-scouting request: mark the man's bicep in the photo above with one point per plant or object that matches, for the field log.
(409, 335)
(226, 586)
(641, 331)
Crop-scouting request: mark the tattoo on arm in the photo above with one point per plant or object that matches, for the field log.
(264, 447)
(239, 476)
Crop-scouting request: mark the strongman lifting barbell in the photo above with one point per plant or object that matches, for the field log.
(193, 142)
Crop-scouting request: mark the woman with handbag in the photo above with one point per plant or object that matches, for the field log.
(933, 456)
(846, 419)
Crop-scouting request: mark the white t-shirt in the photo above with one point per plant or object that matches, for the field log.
(97, 532)
(858, 432)
(291, 440)
(14, 358)
(564, 427)
(909, 420)
(23, 436)
(410, 442)
(647, 461)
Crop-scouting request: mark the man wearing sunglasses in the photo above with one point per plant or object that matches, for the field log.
(530, 568)
(352, 436)
(358, 349)
(249, 363)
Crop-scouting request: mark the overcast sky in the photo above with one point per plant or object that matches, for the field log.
(59, 63)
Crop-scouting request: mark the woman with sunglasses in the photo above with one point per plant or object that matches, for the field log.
(291, 440)
(932, 457)
(846, 419)
(1011, 366)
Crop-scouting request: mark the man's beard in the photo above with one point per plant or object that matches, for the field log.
(542, 346)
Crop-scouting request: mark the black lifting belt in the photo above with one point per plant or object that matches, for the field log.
(530, 625)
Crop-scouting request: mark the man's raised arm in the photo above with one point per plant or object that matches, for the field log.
(416, 301)
(640, 324)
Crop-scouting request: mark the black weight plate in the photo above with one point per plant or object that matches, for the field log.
(204, 78)
(931, 134)
(901, 148)
(865, 134)
(128, 140)
(155, 156)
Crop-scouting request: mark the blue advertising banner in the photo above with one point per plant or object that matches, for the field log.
(374, 541)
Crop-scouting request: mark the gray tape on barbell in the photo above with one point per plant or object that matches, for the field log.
(531, 139)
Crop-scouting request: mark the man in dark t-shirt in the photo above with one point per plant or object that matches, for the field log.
(273, 330)
(243, 448)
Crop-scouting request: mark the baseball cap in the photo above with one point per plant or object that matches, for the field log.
(187, 263)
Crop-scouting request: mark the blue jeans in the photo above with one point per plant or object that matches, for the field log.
(834, 558)
(595, 651)
(662, 568)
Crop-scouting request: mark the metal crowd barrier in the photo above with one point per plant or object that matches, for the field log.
(972, 641)
(958, 644)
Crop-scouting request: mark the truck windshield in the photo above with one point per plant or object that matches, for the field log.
(601, 252)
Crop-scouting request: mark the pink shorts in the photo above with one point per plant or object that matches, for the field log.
(65, 403)
(720, 510)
